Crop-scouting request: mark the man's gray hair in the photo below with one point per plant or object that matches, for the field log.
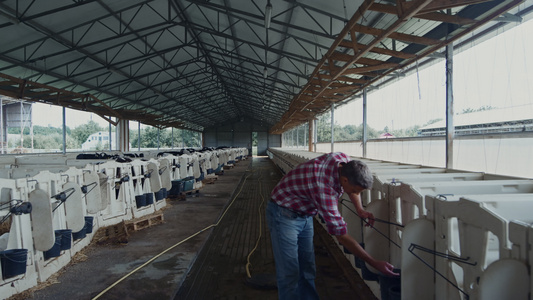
(357, 173)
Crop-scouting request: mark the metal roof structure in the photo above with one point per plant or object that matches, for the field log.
(196, 64)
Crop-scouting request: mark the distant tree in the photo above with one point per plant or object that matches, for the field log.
(149, 137)
(134, 139)
(432, 122)
(37, 130)
(52, 141)
(254, 139)
(191, 138)
(82, 132)
(323, 128)
(471, 110)
(346, 133)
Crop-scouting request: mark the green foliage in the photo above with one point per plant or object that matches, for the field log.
(432, 122)
(38, 130)
(82, 132)
(51, 142)
(51, 138)
(323, 128)
(355, 133)
(254, 139)
(471, 110)
(150, 136)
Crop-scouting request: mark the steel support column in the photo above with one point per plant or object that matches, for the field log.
(123, 136)
(64, 130)
(365, 129)
(110, 137)
(315, 138)
(332, 127)
(311, 134)
(2, 124)
(298, 137)
(450, 129)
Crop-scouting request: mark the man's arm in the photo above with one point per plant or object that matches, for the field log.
(351, 244)
(356, 200)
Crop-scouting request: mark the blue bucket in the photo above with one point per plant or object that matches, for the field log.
(140, 200)
(188, 185)
(149, 198)
(55, 251)
(219, 170)
(367, 274)
(202, 176)
(13, 262)
(395, 292)
(89, 224)
(160, 195)
(80, 234)
(66, 238)
(177, 187)
(387, 282)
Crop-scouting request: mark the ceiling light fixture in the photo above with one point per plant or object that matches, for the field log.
(265, 72)
(268, 14)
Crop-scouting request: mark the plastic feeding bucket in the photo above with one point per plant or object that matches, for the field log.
(13, 262)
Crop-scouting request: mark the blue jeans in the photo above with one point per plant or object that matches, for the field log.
(292, 245)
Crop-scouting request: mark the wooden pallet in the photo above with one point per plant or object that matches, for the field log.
(180, 197)
(210, 179)
(192, 192)
(227, 167)
(145, 222)
(117, 233)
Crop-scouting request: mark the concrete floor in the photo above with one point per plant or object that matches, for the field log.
(202, 250)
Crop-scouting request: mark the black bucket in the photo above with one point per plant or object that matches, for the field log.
(13, 262)
(55, 251)
(367, 274)
(66, 238)
(80, 234)
(395, 292)
(159, 195)
(386, 282)
(149, 198)
(202, 176)
(89, 224)
(140, 200)
(177, 187)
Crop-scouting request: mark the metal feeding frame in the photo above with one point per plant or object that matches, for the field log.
(198, 64)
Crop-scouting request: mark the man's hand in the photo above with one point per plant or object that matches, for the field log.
(365, 215)
(385, 268)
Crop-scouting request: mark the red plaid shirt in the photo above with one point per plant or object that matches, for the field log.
(313, 187)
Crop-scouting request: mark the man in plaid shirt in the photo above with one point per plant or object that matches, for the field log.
(315, 187)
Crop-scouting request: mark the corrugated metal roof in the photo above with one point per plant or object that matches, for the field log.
(198, 64)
